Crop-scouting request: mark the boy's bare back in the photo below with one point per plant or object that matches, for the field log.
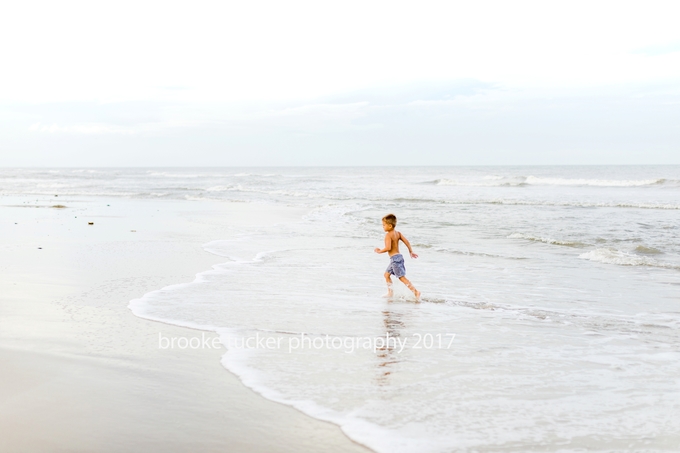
(392, 239)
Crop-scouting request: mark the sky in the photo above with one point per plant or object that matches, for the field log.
(225, 83)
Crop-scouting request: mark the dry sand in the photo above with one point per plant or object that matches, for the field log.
(81, 373)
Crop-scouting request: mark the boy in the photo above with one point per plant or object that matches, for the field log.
(396, 267)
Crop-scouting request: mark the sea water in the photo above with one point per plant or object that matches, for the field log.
(550, 318)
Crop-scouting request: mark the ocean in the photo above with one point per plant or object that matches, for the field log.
(550, 317)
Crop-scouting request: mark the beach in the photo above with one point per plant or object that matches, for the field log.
(447, 227)
(81, 373)
(204, 309)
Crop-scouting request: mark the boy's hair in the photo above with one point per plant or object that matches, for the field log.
(391, 219)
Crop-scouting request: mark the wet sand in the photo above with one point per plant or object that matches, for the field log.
(81, 373)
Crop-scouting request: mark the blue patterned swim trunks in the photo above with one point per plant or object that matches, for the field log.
(396, 266)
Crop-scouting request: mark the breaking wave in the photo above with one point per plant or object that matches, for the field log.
(518, 181)
(546, 240)
(613, 256)
(487, 181)
(533, 180)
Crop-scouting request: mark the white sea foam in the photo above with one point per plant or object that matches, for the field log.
(499, 181)
(546, 240)
(481, 254)
(484, 182)
(575, 204)
(57, 186)
(256, 174)
(543, 181)
(172, 175)
(613, 256)
(224, 188)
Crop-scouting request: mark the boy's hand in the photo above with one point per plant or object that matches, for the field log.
(376, 250)
(414, 256)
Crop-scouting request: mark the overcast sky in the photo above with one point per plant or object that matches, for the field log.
(339, 83)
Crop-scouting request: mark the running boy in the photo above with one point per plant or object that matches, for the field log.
(396, 267)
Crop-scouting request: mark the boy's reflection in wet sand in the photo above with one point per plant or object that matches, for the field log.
(386, 354)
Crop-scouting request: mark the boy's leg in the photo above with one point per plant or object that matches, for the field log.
(388, 279)
(410, 286)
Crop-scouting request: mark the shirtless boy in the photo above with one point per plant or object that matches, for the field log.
(396, 267)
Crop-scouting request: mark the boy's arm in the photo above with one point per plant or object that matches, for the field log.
(388, 245)
(408, 245)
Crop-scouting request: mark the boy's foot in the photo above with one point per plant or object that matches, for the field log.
(387, 294)
(417, 293)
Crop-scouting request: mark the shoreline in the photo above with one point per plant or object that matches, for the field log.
(83, 373)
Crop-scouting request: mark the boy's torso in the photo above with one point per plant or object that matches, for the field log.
(394, 242)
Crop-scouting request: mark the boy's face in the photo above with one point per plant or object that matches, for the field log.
(387, 226)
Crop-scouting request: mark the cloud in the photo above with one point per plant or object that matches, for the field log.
(107, 129)
(414, 91)
(303, 51)
(658, 49)
(449, 122)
